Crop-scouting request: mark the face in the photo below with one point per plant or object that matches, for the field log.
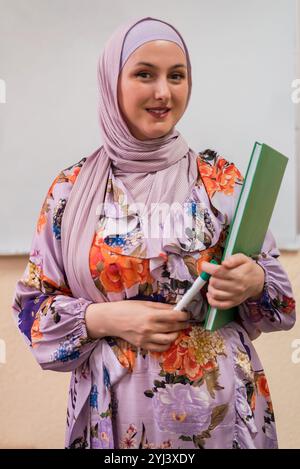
(157, 83)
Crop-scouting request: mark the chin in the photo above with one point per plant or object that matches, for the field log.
(156, 134)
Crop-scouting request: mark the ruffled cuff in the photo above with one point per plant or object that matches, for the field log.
(274, 309)
(255, 307)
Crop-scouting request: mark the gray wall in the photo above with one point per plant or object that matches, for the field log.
(244, 61)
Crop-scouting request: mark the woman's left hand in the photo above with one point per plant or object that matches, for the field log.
(234, 281)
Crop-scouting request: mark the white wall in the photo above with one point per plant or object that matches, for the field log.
(244, 61)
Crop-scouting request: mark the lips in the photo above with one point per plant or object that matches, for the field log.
(158, 112)
(160, 109)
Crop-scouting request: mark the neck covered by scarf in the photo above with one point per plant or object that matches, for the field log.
(159, 170)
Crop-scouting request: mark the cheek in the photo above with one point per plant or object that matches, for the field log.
(127, 104)
(125, 95)
(180, 99)
(133, 98)
(184, 95)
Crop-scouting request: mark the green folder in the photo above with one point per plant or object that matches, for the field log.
(252, 216)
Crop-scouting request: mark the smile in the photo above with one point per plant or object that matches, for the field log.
(158, 114)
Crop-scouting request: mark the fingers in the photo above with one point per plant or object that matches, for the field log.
(152, 347)
(173, 316)
(160, 342)
(164, 339)
(220, 293)
(220, 304)
(217, 294)
(219, 284)
(235, 260)
(222, 272)
(165, 311)
(165, 327)
(231, 262)
(223, 299)
(209, 268)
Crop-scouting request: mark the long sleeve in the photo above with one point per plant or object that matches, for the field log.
(50, 319)
(275, 309)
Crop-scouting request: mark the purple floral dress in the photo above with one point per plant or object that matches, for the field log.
(209, 389)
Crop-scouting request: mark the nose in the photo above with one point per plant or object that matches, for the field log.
(162, 90)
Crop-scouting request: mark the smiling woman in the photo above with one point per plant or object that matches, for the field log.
(97, 296)
(153, 95)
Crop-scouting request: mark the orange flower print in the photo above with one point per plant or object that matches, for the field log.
(227, 173)
(42, 220)
(207, 255)
(220, 177)
(125, 354)
(253, 401)
(263, 390)
(192, 354)
(72, 177)
(208, 176)
(49, 286)
(50, 191)
(62, 177)
(116, 271)
(262, 386)
(45, 208)
(287, 305)
(128, 359)
(96, 261)
(164, 256)
(36, 334)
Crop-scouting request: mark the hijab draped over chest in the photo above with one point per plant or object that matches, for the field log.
(160, 170)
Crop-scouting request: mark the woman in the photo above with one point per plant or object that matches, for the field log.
(98, 292)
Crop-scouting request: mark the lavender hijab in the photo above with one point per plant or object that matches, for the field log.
(166, 165)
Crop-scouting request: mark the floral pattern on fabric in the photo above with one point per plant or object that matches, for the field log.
(208, 390)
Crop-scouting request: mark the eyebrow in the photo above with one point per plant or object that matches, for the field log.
(147, 64)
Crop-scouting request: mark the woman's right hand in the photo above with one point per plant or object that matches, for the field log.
(149, 325)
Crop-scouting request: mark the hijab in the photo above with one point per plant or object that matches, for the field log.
(164, 169)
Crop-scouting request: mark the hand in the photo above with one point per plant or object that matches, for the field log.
(234, 281)
(149, 325)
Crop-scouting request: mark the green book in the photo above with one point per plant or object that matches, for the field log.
(252, 216)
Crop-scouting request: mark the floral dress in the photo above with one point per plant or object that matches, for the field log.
(209, 389)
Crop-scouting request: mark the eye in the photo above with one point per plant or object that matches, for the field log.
(179, 75)
(174, 76)
(142, 74)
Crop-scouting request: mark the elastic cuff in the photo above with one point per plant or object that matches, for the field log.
(81, 306)
(255, 306)
(266, 280)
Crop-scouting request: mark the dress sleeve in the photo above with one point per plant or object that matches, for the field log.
(51, 321)
(274, 310)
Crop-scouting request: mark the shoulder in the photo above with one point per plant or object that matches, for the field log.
(57, 195)
(217, 173)
(65, 180)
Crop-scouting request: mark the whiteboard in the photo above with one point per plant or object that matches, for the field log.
(243, 57)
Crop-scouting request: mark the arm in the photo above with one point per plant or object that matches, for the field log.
(50, 319)
(61, 330)
(275, 307)
(260, 288)
(270, 305)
